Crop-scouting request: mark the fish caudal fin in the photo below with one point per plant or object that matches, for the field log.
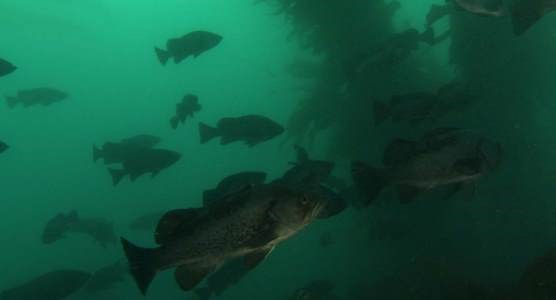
(117, 175)
(162, 55)
(207, 133)
(141, 264)
(11, 101)
(380, 112)
(371, 181)
(97, 153)
(174, 122)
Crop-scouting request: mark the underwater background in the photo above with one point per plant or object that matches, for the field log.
(282, 59)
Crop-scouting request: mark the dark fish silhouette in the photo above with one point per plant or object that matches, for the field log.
(148, 161)
(444, 156)
(107, 277)
(54, 285)
(251, 129)
(119, 152)
(3, 147)
(229, 274)
(62, 224)
(186, 108)
(525, 13)
(191, 44)
(146, 222)
(38, 96)
(231, 184)
(6, 67)
(196, 241)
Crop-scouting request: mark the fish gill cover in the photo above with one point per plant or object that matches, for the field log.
(277, 149)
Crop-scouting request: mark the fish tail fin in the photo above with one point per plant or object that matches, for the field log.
(371, 181)
(203, 293)
(525, 13)
(117, 175)
(141, 264)
(381, 111)
(207, 133)
(12, 101)
(97, 153)
(174, 122)
(162, 55)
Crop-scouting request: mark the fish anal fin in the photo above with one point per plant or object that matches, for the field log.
(189, 276)
(176, 222)
(253, 259)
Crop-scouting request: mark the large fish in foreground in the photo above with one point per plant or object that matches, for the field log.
(444, 156)
(251, 129)
(525, 13)
(54, 285)
(39, 96)
(196, 241)
(6, 67)
(191, 44)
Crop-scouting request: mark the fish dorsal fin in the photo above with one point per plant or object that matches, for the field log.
(178, 222)
(302, 155)
(228, 203)
(399, 151)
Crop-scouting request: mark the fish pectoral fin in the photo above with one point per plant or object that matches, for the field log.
(407, 193)
(188, 276)
(253, 259)
(176, 222)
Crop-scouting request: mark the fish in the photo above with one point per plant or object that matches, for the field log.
(229, 274)
(196, 241)
(112, 152)
(491, 8)
(3, 147)
(53, 285)
(38, 96)
(6, 67)
(305, 171)
(192, 44)
(442, 157)
(186, 108)
(231, 184)
(147, 161)
(107, 277)
(62, 224)
(251, 129)
(146, 222)
(526, 13)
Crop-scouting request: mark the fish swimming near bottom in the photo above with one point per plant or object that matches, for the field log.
(151, 161)
(39, 96)
(248, 224)
(3, 147)
(443, 157)
(251, 129)
(6, 67)
(526, 13)
(54, 285)
(62, 224)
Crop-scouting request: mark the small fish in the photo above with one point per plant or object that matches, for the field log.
(119, 152)
(231, 184)
(146, 222)
(147, 161)
(186, 108)
(191, 44)
(491, 8)
(107, 278)
(38, 96)
(444, 156)
(54, 285)
(6, 67)
(3, 147)
(196, 241)
(526, 13)
(62, 224)
(251, 129)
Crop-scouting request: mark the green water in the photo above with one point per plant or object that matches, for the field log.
(102, 54)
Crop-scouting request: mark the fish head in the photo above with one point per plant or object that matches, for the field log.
(295, 210)
(211, 40)
(169, 158)
(272, 129)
